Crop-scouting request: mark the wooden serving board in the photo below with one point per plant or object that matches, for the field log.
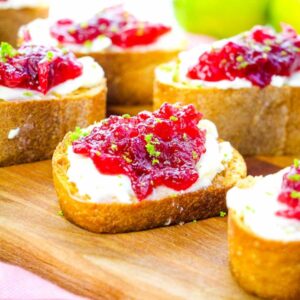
(178, 262)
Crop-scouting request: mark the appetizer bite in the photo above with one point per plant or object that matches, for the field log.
(15, 13)
(264, 234)
(44, 93)
(155, 169)
(129, 49)
(248, 85)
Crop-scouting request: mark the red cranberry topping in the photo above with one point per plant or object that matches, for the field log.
(152, 149)
(122, 28)
(290, 192)
(36, 68)
(255, 56)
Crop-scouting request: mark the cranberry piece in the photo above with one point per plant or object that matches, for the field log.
(122, 28)
(256, 56)
(152, 149)
(290, 192)
(36, 68)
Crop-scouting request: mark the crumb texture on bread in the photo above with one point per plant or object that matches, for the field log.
(266, 268)
(256, 121)
(31, 129)
(118, 217)
(12, 19)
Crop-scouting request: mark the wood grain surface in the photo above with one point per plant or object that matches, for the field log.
(179, 262)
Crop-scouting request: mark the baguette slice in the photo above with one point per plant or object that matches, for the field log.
(256, 121)
(31, 129)
(12, 19)
(116, 217)
(266, 268)
(129, 72)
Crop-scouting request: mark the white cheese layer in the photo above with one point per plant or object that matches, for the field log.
(92, 75)
(187, 59)
(110, 188)
(17, 4)
(257, 206)
(40, 35)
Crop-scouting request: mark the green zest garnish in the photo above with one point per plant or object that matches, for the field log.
(49, 55)
(114, 147)
(155, 161)
(64, 50)
(173, 118)
(195, 155)
(267, 48)
(148, 137)
(294, 177)
(151, 150)
(185, 136)
(296, 163)
(295, 195)
(126, 116)
(243, 65)
(249, 208)
(240, 58)
(60, 213)
(127, 159)
(88, 44)
(77, 134)
(7, 50)
(223, 214)
(28, 94)
(150, 146)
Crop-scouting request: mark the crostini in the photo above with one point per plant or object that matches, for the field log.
(264, 234)
(128, 49)
(155, 169)
(248, 85)
(44, 93)
(15, 13)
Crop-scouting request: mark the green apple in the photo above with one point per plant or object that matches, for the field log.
(220, 18)
(285, 11)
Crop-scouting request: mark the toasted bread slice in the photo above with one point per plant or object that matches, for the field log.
(130, 74)
(256, 121)
(266, 268)
(120, 217)
(12, 19)
(31, 129)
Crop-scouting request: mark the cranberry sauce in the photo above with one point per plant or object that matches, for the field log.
(152, 149)
(256, 56)
(290, 192)
(122, 28)
(36, 68)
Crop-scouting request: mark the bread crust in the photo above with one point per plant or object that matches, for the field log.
(130, 109)
(120, 217)
(12, 19)
(42, 124)
(256, 121)
(292, 145)
(266, 268)
(130, 74)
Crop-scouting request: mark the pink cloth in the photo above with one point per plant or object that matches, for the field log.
(19, 284)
